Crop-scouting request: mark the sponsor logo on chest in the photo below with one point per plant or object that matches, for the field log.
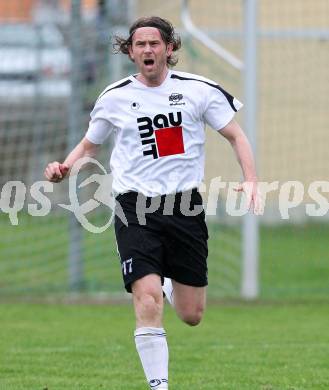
(163, 134)
(175, 99)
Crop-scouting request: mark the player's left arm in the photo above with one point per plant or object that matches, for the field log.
(242, 148)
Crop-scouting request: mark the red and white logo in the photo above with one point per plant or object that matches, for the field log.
(163, 135)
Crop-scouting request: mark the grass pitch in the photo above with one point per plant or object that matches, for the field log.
(241, 346)
(34, 260)
(280, 344)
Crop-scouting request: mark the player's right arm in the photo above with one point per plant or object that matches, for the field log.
(56, 171)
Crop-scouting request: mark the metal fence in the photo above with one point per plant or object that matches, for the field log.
(48, 85)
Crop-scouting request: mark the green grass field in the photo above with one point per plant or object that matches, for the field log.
(33, 260)
(254, 347)
(280, 342)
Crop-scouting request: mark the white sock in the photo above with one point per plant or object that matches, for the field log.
(167, 288)
(151, 345)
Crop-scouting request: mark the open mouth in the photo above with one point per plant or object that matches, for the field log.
(148, 62)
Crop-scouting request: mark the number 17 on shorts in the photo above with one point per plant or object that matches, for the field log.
(127, 266)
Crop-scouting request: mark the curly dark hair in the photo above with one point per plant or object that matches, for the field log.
(165, 28)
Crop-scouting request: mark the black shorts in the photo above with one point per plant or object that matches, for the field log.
(173, 246)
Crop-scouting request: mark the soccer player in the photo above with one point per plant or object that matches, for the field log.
(158, 117)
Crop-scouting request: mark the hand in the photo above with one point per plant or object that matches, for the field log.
(56, 172)
(254, 196)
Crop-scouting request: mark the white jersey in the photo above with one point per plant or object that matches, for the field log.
(159, 131)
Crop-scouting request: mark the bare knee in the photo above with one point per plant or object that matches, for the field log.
(148, 302)
(189, 302)
(192, 317)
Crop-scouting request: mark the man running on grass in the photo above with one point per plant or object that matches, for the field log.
(158, 117)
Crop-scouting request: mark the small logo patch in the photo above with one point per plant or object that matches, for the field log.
(175, 99)
(155, 382)
(135, 106)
